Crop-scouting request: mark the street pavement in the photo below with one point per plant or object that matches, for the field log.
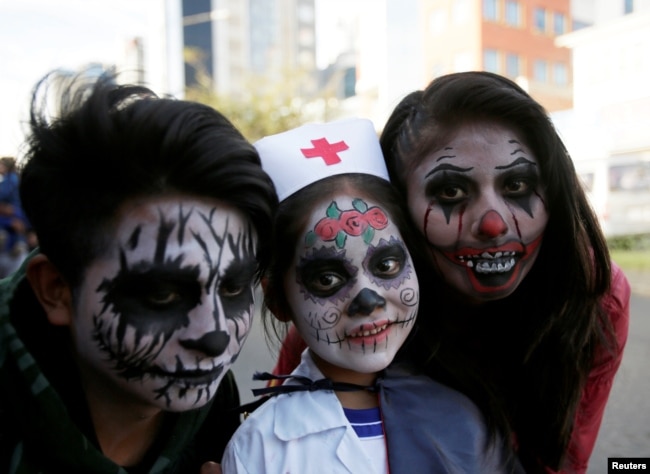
(625, 431)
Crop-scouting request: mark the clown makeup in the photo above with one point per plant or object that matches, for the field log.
(479, 201)
(352, 287)
(163, 313)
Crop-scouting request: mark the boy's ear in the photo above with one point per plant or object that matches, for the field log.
(51, 290)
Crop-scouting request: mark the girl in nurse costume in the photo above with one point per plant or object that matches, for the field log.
(342, 273)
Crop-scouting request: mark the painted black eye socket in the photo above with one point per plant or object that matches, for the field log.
(389, 267)
(166, 294)
(238, 277)
(326, 283)
(230, 290)
(519, 186)
(447, 188)
(324, 278)
(388, 261)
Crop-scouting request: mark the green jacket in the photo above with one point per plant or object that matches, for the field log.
(45, 426)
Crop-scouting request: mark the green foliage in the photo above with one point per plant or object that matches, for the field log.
(631, 252)
(629, 242)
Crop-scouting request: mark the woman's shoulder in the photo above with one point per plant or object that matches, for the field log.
(616, 303)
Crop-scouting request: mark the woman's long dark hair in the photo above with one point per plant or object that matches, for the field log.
(537, 346)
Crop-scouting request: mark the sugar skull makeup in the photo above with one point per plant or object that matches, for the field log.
(479, 201)
(164, 312)
(352, 287)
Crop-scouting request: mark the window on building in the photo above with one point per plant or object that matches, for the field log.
(539, 17)
(560, 74)
(559, 24)
(513, 13)
(490, 10)
(491, 60)
(512, 65)
(540, 70)
(628, 6)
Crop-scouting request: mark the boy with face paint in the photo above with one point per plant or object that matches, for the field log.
(341, 271)
(119, 332)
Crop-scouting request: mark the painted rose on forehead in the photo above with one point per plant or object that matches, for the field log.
(361, 220)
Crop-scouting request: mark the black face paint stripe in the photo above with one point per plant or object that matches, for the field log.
(164, 231)
(132, 243)
(182, 223)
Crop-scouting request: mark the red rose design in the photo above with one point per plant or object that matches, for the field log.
(353, 222)
(327, 228)
(376, 218)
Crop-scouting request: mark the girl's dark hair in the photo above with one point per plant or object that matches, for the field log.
(290, 221)
(109, 144)
(553, 321)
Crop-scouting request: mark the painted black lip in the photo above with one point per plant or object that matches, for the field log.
(190, 377)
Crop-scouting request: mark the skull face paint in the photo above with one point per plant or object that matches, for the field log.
(352, 287)
(164, 312)
(479, 201)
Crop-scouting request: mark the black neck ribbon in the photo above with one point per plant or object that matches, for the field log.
(305, 384)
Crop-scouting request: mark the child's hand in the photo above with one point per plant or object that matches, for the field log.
(211, 468)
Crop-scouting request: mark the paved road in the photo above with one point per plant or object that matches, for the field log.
(625, 431)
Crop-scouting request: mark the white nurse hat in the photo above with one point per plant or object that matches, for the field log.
(304, 155)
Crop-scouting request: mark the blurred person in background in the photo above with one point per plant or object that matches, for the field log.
(15, 232)
(117, 335)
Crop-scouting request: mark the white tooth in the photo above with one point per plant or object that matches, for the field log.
(470, 264)
(486, 255)
(498, 254)
(500, 267)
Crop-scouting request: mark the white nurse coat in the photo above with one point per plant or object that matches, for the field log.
(298, 433)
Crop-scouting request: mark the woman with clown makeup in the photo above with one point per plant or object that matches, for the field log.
(532, 317)
(341, 271)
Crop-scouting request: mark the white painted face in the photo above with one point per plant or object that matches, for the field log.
(351, 286)
(163, 313)
(479, 201)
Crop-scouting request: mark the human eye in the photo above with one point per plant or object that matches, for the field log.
(519, 185)
(323, 278)
(237, 278)
(326, 283)
(447, 189)
(388, 267)
(162, 296)
(388, 261)
(166, 294)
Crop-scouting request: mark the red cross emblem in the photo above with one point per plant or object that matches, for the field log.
(325, 150)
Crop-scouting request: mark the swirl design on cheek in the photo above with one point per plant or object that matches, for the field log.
(326, 320)
(409, 296)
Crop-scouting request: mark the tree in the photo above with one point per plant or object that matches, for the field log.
(263, 106)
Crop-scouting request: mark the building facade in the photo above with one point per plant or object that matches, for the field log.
(514, 38)
(607, 130)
